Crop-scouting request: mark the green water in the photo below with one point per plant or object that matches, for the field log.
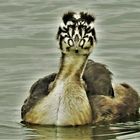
(28, 51)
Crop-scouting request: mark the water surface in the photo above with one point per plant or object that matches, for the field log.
(29, 50)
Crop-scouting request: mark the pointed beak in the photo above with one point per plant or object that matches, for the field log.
(76, 39)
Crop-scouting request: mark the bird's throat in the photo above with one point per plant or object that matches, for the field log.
(72, 66)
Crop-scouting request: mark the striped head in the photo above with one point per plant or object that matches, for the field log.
(76, 34)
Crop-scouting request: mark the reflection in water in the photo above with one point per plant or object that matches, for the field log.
(102, 132)
(62, 133)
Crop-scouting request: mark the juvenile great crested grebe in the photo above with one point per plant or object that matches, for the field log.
(81, 92)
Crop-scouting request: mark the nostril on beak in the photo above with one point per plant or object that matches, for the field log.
(76, 39)
(76, 51)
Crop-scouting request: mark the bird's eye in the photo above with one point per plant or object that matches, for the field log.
(82, 42)
(70, 42)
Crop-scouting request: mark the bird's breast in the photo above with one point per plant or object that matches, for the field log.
(65, 105)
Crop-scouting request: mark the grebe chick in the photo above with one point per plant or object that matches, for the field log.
(81, 92)
(67, 102)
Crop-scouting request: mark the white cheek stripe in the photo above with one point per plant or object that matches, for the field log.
(63, 34)
(70, 32)
(69, 23)
(89, 34)
(62, 25)
(66, 39)
(91, 25)
(83, 33)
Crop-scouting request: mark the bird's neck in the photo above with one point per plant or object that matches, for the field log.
(72, 66)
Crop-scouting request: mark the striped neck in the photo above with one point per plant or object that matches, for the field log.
(72, 66)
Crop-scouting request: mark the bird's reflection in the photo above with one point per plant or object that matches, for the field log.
(100, 132)
(72, 133)
(62, 133)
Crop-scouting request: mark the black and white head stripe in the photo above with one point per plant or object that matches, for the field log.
(77, 27)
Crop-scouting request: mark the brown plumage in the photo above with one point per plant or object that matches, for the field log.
(93, 75)
(98, 79)
(123, 107)
(81, 92)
